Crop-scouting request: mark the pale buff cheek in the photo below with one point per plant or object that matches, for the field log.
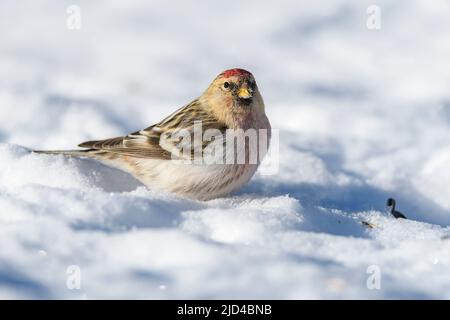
(223, 109)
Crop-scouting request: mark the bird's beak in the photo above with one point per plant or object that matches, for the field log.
(245, 93)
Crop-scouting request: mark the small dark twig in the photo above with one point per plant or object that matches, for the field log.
(391, 208)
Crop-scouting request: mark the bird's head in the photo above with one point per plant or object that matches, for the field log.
(234, 91)
(390, 203)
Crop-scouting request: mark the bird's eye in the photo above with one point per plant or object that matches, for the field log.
(226, 85)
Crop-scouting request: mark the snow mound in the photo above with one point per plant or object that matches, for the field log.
(58, 212)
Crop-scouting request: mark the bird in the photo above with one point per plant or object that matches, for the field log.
(161, 156)
(391, 208)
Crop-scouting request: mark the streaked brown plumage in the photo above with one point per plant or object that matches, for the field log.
(232, 101)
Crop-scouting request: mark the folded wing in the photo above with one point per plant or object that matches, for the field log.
(166, 139)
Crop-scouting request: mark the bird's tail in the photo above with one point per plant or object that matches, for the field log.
(70, 153)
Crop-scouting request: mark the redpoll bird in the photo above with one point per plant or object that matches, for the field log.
(230, 108)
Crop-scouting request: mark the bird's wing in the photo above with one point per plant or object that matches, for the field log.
(165, 140)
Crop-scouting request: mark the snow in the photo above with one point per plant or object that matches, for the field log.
(363, 115)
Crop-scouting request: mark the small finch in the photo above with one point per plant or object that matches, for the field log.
(188, 153)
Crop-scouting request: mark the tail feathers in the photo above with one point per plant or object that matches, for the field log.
(70, 153)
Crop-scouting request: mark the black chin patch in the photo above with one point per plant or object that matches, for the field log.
(244, 102)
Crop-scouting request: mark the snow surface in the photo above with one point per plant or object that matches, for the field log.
(363, 115)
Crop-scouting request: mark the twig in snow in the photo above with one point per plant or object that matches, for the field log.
(391, 208)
